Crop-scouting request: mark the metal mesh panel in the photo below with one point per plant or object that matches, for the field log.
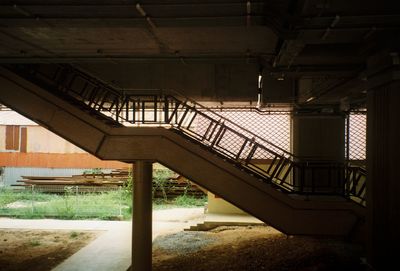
(232, 142)
(357, 138)
(273, 127)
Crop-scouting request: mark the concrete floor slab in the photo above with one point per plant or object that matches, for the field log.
(232, 218)
(111, 251)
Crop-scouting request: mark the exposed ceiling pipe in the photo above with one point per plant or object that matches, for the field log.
(289, 34)
(22, 11)
(178, 55)
(28, 43)
(140, 9)
(137, 59)
(28, 14)
(143, 13)
(369, 33)
(326, 33)
(248, 11)
(332, 25)
(151, 30)
(335, 21)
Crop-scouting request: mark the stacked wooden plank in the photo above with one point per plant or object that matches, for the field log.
(91, 182)
(101, 182)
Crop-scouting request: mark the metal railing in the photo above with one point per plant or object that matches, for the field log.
(356, 185)
(259, 157)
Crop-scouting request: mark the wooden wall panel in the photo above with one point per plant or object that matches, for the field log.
(9, 137)
(24, 139)
(12, 137)
(16, 137)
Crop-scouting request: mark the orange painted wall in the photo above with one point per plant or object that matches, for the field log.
(56, 160)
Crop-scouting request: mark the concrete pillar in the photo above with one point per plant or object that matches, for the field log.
(383, 175)
(142, 217)
(319, 140)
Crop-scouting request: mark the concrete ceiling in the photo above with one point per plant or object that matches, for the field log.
(325, 41)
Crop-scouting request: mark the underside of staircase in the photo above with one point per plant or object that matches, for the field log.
(108, 139)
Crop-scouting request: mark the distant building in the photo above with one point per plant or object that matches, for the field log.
(26, 148)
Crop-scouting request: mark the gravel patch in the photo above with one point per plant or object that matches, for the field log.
(184, 242)
(253, 249)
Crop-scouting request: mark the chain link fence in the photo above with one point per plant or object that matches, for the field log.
(356, 136)
(273, 126)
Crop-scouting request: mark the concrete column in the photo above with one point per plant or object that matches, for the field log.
(383, 175)
(142, 217)
(319, 140)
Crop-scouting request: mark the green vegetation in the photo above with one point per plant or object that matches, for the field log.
(160, 179)
(93, 171)
(188, 201)
(75, 205)
(8, 196)
(70, 205)
(73, 234)
(34, 243)
(128, 186)
(113, 205)
(180, 201)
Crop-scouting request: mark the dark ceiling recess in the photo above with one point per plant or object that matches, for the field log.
(321, 45)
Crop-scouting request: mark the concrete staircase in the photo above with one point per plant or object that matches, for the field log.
(291, 214)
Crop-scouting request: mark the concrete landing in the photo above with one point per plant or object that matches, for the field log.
(213, 220)
(111, 251)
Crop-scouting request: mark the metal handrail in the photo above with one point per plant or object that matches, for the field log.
(201, 107)
(259, 157)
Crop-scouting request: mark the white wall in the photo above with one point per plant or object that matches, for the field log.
(44, 141)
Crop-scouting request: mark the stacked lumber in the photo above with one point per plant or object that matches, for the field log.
(102, 182)
(92, 182)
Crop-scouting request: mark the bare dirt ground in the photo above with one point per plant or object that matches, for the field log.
(252, 248)
(224, 248)
(39, 250)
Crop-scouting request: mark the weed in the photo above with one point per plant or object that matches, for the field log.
(73, 234)
(93, 171)
(189, 201)
(128, 186)
(34, 243)
(107, 205)
(8, 195)
(180, 201)
(160, 180)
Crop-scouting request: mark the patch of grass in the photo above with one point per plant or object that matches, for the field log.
(189, 201)
(73, 235)
(113, 205)
(180, 201)
(105, 205)
(8, 195)
(34, 243)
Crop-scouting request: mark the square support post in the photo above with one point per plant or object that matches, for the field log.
(142, 217)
